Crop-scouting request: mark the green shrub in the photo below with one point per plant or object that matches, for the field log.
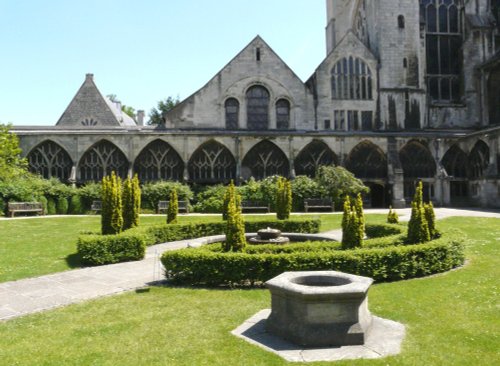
(235, 228)
(353, 229)
(210, 199)
(226, 199)
(152, 193)
(75, 205)
(283, 199)
(418, 227)
(304, 187)
(337, 182)
(392, 216)
(430, 217)
(107, 249)
(44, 202)
(89, 193)
(173, 207)
(131, 199)
(51, 206)
(62, 206)
(111, 212)
(202, 266)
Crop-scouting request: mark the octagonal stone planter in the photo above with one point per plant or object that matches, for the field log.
(317, 309)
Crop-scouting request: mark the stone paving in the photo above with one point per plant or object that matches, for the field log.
(22, 297)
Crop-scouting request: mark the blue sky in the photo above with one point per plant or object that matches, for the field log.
(142, 51)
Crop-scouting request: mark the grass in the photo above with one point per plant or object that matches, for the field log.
(451, 319)
(39, 246)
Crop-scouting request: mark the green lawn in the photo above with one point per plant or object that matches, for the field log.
(451, 319)
(39, 246)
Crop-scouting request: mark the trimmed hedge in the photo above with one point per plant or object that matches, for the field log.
(210, 267)
(107, 249)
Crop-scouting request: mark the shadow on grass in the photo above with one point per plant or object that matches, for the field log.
(74, 260)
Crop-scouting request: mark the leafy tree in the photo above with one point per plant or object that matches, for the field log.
(338, 182)
(11, 163)
(173, 208)
(163, 106)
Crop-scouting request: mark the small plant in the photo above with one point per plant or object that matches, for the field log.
(418, 227)
(353, 228)
(131, 197)
(75, 205)
(283, 199)
(173, 207)
(235, 229)
(392, 216)
(230, 192)
(51, 206)
(62, 205)
(111, 198)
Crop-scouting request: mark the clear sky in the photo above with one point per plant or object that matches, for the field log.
(140, 50)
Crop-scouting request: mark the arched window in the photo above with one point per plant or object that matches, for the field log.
(494, 96)
(314, 155)
(257, 108)
(351, 79)
(159, 161)
(367, 161)
(444, 48)
(232, 113)
(417, 161)
(264, 160)
(401, 22)
(283, 114)
(50, 160)
(479, 160)
(455, 162)
(100, 160)
(212, 162)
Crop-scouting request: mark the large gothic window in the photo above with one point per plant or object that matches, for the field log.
(494, 96)
(367, 161)
(264, 160)
(159, 161)
(417, 161)
(50, 160)
(232, 107)
(314, 155)
(455, 162)
(351, 78)
(212, 162)
(283, 114)
(444, 48)
(100, 160)
(479, 160)
(257, 108)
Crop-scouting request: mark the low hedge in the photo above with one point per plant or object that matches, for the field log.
(107, 249)
(208, 267)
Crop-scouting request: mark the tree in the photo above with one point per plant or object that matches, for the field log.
(283, 199)
(11, 163)
(235, 228)
(111, 201)
(131, 197)
(230, 192)
(359, 211)
(352, 225)
(337, 182)
(163, 106)
(128, 110)
(418, 227)
(173, 207)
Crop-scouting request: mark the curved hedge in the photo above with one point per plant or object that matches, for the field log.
(207, 266)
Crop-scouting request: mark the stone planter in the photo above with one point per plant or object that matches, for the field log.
(318, 309)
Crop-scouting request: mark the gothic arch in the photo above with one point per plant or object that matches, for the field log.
(212, 162)
(455, 162)
(417, 161)
(367, 161)
(50, 160)
(159, 161)
(479, 159)
(100, 160)
(265, 159)
(314, 155)
(494, 96)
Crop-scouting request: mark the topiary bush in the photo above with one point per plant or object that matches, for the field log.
(283, 199)
(418, 227)
(173, 207)
(392, 216)
(152, 193)
(210, 199)
(62, 206)
(51, 206)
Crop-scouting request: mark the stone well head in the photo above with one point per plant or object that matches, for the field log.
(316, 309)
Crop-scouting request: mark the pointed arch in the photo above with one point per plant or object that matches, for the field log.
(50, 160)
(367, 161)
(417, 161)
(479, 159)
(100, 160)
(314, 155)
(159, 161)
(265, 159)
(212, 162)
(455, 162)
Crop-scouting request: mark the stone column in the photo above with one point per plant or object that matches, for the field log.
(185, 175)
(398, 193)
(237, 155)
(291, 158)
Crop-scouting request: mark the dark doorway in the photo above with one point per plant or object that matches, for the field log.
(494, 96)
(377, 196)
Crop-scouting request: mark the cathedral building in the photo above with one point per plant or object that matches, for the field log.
(409, 91)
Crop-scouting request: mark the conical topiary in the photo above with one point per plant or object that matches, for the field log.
(418, 228)
(235, 228)
(173, 207)
(392, 216)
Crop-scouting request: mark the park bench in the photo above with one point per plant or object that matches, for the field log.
(183, 206)
(319, 203)
(96, 206)
(14, 207)
(255, 206)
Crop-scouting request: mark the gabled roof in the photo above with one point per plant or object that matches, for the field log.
(90, 108)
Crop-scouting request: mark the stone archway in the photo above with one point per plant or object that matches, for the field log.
(455, 162)
(314, 155)
(264, 160)
(418, 165)
(159, 161)
(50, 160)
(100, 160)
(212, 163)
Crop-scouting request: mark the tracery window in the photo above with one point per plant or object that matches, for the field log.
(455, 162)
(264, 160)
(367, 161)
(417, 161)
(351, 78)
(102, 159)
(314, 155)
(479, 160)
(212, 162)
(159, 161)
(444, 48)
(257, 108)
(232, 107)
(283, 114)
(50, 160)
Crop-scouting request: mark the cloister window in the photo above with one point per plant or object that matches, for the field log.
(212, 162)
(264, 160)
(417, 163)
(159, 161)
(100, 160)
(479, 160)
(283, 114)
(351, 79)
(50, 160)
(367, 160)
(257, 108)
(444, 48)
(232, 113)
(314, 155)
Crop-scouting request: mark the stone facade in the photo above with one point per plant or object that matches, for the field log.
(409, 90)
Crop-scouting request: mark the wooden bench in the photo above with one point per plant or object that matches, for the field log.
(183, 206)
(255, 206)
(96, 206)
(14, 207)
(319, 203)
